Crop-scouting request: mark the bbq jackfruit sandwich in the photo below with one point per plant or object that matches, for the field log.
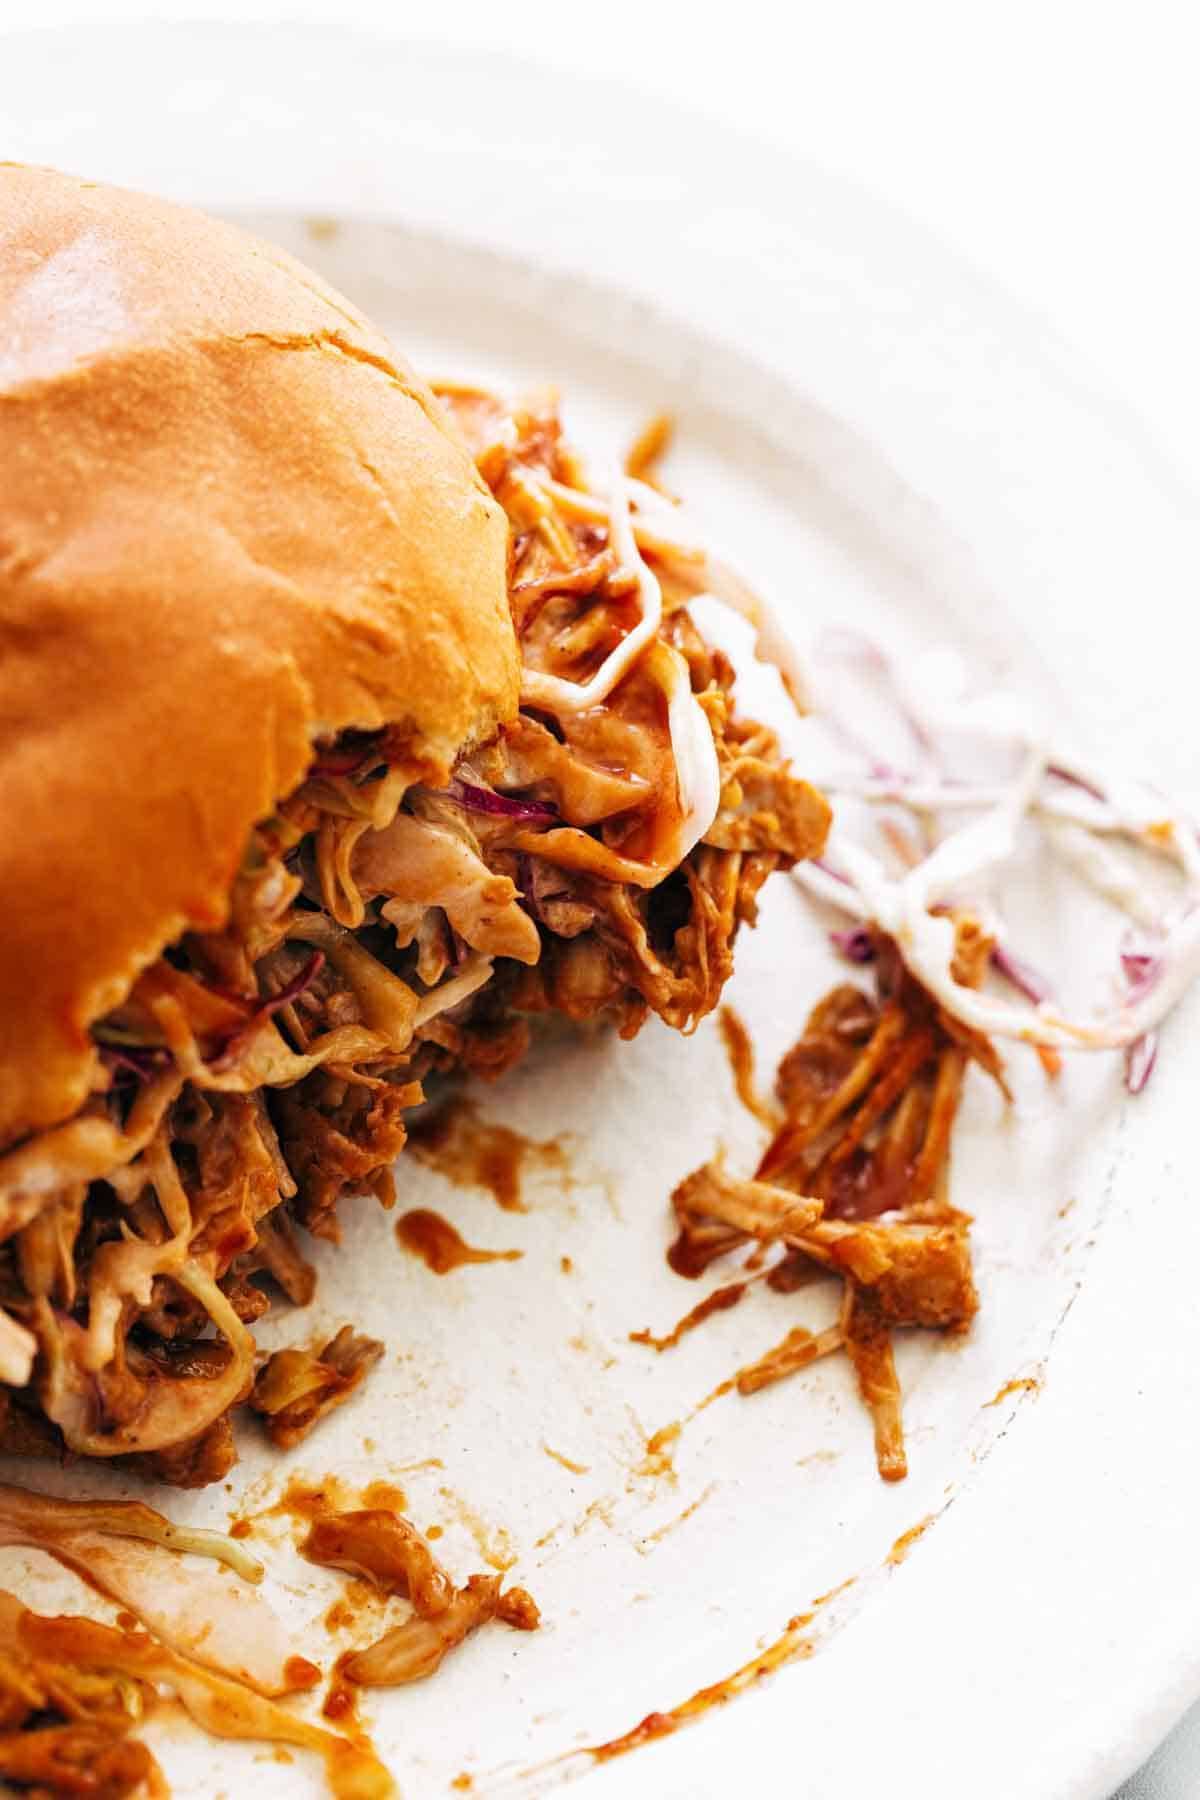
(345, 729)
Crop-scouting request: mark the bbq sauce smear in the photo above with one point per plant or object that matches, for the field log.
(472, 1152)
(427, 1235)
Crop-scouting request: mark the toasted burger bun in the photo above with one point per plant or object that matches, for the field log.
(231, 521)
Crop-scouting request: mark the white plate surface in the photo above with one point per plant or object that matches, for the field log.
(880, 441)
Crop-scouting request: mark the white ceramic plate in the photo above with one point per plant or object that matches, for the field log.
(880, 440)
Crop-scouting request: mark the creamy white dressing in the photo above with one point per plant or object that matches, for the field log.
(772, 643)
(656, 527)
(664, 524)
(932, 695)
(695, 754)
(562, 697)
(1112, 879)
(697, 771)
(654, 531)
(1078, 809)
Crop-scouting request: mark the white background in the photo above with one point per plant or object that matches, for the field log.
(1056, 146)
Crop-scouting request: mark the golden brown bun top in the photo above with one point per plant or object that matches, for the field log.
(230, 521)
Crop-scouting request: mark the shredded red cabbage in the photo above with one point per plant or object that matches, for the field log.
(296, 986)
(1141, 964)
(1140, 1059)
(1020, 975)
(856, 944)
(483, 800)
(1073, 780)
(135, 1062)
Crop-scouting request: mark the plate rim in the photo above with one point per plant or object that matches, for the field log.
(1164, 1696)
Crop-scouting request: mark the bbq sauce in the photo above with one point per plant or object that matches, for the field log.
(427, 1235)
